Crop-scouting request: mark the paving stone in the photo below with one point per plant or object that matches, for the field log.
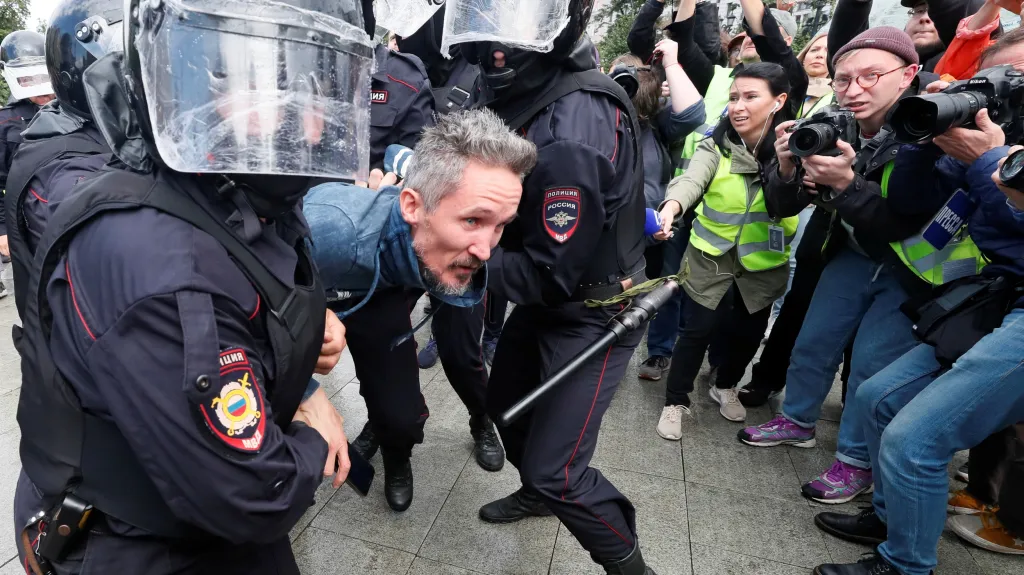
(713, 560)
(321, 552)
(423, 566)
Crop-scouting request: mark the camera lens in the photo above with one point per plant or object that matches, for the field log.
(920, 118)
(1010, 173)
(812, 139)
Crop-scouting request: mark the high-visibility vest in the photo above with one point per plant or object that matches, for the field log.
(715, 102)
(960, 258)
(826, 100)
(725, 219)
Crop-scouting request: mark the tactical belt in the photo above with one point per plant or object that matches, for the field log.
(608, 291)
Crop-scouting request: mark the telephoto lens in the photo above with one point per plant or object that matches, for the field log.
(918, 119)
(1012, 171)
(813, 139)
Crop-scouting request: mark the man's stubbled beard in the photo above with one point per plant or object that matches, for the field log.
(434, 283)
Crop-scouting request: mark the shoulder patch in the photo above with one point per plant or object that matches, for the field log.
(561, 212)
(379, 96)
(236, 415)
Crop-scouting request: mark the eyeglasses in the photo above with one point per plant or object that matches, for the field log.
(842, 84)
(918, 11)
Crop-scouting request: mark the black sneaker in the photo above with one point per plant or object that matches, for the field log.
(755, 395)
(3, 290)
(864, 527)
(871, 565)
(655, 367)
(961, 473)
(490, 455)
(519, 505)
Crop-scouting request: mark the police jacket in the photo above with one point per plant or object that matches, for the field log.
(13, 121)
(580, 223)
(361, 243)
(184, 344)
(401, 102)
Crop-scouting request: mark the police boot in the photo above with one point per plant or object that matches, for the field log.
(633, 564)
(490, 455)
(520, 505)
(397, 480)
(366, 444)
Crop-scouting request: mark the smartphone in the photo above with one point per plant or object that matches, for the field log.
(360, 475)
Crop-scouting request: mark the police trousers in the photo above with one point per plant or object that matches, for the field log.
(552, 444)
(389, 377)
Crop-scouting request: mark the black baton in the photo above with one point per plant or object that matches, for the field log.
(643, 309)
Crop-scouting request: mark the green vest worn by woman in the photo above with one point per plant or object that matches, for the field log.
(715, 101)
(730, 216)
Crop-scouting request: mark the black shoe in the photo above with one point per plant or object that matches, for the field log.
(366, 444)
(654, 367)
(519, 505)
(397, 481)
(864, 527)
(633, 564)
(755, 395)
(872, 565)
(490, 455)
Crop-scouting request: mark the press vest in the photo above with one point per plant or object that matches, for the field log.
(819, 105)
(960, 258)
(63, 448)
(729, 217)
(715, 101)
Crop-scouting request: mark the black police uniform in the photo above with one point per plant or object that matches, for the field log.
(59, 151)
(578, 236)
(401, 103)
(152, 322)
(13, 121)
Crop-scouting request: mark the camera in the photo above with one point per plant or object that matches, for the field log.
(627, 76)
(818, 134)
(1000, 90)
(1011, 173)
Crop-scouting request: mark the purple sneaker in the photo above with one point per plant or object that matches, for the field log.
(779, 431)
(841, 483)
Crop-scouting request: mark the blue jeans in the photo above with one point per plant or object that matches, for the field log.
(853, 291)
(805, 216)
(668, 323)
(916, 416)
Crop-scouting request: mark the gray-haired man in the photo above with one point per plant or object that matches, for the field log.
(377, 251)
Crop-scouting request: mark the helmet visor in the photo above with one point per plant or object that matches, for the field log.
(255, 87)
(405, 17)
(28, 81)
(528, 24)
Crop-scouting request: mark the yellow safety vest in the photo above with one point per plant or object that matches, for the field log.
(826, 100)
(715, 101)
(725, 219)
(960, 258)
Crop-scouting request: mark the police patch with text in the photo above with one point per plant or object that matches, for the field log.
(379, 96)
(236, 414)
(561, 212)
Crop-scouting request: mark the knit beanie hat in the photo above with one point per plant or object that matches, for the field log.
(887, 38)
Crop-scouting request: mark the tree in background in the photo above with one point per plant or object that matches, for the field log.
(614, 20)
(13, 16)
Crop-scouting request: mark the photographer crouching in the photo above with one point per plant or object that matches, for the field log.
(966, 380)
(861, 289)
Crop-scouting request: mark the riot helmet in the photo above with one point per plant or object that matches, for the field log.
(250, 88)
(533, 35)
(80, 32)
(23, 57)
(425, 44)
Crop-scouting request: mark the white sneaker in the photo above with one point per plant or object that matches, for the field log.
(670, 426)
(731, 409)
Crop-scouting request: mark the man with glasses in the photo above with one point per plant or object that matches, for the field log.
(863, 285)
(922, 31)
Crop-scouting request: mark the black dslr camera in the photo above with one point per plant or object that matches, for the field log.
(1000, 90)
(817, 135)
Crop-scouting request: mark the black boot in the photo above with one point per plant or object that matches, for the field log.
(366, 443)
(519, 505)
(633, 564)
(864, 527)
(873, 565)
(397, 480)
(490, 455)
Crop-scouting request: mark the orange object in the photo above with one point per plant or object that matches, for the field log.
(961, 58)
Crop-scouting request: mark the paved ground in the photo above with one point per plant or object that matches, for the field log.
(707, 505)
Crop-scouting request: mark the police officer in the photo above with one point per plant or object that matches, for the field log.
(402, 104)
(61, 145)
(24, 70)
(452, 79)
(578, 237)
(175, 318)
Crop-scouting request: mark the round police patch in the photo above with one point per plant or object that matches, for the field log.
(561, 212)
(236, 414)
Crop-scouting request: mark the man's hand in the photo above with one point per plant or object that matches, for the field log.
(1016, 196)
(968, 145)
(334, 343)
(936, 86)
(4, 248)
(379, 179)
(785, 5)
(833, 171)
(787, 165)
(319, 413)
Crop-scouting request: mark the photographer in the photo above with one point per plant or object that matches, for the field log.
(865, 282)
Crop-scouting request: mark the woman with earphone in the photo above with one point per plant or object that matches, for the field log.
(738, 252)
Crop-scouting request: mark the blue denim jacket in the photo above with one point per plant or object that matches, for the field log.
(360, 243)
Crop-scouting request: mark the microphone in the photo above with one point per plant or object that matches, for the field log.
(396, 159)
(653, 223)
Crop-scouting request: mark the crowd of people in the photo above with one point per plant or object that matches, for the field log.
(856, 208)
